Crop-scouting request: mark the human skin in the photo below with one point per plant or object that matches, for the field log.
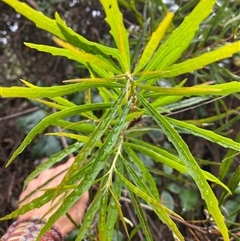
(76, 211)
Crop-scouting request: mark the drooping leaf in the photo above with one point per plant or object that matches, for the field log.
(99, 161)
(192, 167)
(112, 208)
(163, 156)
(206, 134)
(89, 216)
(47, 196)
(102, 228)
(51, 161)
(95, 137)
(146, 176)
(156, 205)
(141, 216)
(51, 119)
(140, 212)
(36, 203)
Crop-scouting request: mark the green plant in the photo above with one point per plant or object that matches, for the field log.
(108, 144)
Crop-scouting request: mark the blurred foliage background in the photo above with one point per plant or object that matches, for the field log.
(87, 18)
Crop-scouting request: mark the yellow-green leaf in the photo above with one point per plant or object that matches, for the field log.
(96, 60)
(154, 41)
(118, 31)
(199, 62)
(80, 138)
(176, 44)
(192, 167)
(164, 214)
(218, 89)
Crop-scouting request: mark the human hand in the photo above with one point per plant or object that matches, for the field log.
(76, 211)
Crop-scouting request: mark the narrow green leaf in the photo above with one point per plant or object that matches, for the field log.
(50, 120)
(50, 92)
(95, 60)
(36, 203)
(99, 161)
(152, 95)
(144, 225)
(154, 41)
(146, 176)
(138, 47)
(206, 134)
(199, 62)
(139, 184)
(77, 126)
(192, 167)
(155, 204)
(185, 103)
(138, 208)
(135, 159)
(63, 101)
(55, 158)
(47, 196)
(118, 31)
(112, 206)
(55, 51)
(161, 101)
(218, 89)
(77, 55)
(137, 179)
(80, 138)
(90, 80)
(158, 155)
(102, 228)
(203, 121)
(163, 156)
(50, 104)
(89, 216)
(86, 45)
(94, 138)
(88, 114)
(170, 51)
(57, 29)
(91, 211)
